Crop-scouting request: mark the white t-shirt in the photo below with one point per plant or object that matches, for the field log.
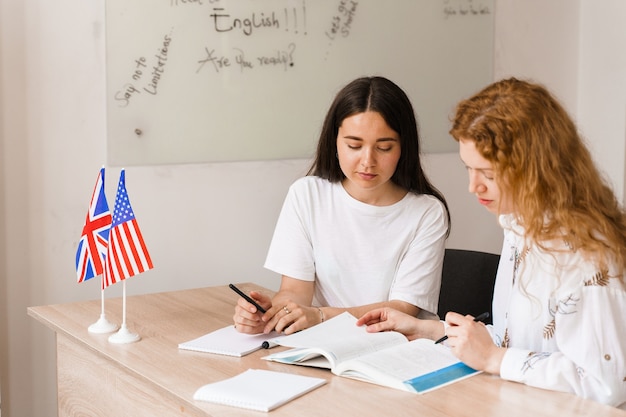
(358, 253)
(563, 321)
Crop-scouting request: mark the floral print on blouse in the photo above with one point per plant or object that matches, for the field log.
(562, 319)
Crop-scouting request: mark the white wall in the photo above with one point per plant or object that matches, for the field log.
(576, 48)
(208, 224)
(602, 86)
(3, 237)
(538, 40)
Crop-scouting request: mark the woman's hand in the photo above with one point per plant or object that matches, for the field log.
(291, 309)
(290, 317)
(385, 319)
(471, 342)
(247, 318)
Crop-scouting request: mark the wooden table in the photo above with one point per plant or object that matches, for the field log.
(152, 377)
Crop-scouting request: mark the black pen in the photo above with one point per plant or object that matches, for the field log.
(479, 317)
(268, 344)
(247, 298)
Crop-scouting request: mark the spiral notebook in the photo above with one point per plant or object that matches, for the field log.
(258, 389)
(227, 341)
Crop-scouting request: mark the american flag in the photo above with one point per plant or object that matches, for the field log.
(127, 254)
(92, 247)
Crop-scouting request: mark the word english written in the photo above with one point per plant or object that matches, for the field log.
(222, 22)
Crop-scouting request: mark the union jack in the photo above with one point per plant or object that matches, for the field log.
(92, 247)
(127, 254)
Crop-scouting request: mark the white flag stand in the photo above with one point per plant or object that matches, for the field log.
(102, 325)
(123, 335)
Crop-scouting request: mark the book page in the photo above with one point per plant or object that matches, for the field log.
(417, 366)
(339, 339)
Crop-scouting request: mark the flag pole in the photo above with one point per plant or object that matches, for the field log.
(102, 325)
(126, 243)
(124, 335)
(93, 246)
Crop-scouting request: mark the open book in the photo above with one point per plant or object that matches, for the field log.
(385, 358)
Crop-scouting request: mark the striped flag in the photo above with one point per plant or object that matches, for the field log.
(92, 247)
(127, 254)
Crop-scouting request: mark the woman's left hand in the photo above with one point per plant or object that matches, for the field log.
(289, 317)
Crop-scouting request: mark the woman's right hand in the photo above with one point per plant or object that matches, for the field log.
(385, 319)
(247, 317)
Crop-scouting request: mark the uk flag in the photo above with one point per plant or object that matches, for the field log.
(92, 247)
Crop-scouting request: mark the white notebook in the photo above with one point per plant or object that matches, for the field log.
(258, 389)
(227, 341)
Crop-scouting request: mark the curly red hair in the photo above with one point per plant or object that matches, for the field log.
(543, 164)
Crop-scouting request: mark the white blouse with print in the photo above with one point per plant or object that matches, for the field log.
(562, 319)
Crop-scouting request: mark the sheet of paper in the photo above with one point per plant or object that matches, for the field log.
(342, 337)
(420, 365)
(227, 341)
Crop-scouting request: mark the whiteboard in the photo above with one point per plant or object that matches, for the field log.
(192, 81)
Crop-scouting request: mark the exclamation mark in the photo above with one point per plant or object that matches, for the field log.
(304, 16)
(295, 19)
(287, 21)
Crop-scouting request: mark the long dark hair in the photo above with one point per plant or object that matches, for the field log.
(380, 95)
